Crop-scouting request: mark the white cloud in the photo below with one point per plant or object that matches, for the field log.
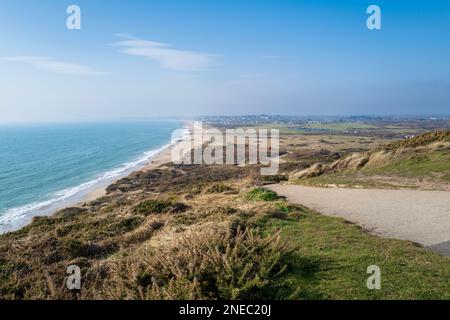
(180, 60)
(52, 65)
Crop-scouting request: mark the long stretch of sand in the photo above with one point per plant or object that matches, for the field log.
(159, 159)
(419, 216)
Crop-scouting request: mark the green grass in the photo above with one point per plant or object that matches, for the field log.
(330, 259)
(218, 187)
(286, 130)
(406, 170)
(156, 206)
(340, 126)
(261, 194)
(415, 166)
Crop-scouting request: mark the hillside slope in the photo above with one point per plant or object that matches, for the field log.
(420, 162)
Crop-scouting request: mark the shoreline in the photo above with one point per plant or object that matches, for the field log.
(162, 156)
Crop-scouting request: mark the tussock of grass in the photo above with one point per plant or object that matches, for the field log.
(156, 206)
(218, 188)
(274, 179)
(261, 194)
(211, 265)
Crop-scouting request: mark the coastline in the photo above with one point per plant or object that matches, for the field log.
(160, 157)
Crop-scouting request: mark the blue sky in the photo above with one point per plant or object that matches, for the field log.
(197, 57)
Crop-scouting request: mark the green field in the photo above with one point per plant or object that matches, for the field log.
(340, 126)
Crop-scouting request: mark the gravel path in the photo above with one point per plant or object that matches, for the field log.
(419, 216)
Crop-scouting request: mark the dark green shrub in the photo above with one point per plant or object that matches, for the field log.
(291, 211)
(159, 206)
(156, 225)
(274, 179)
(218, 187)
(262, 195)
(70, 213)
(276, 214)
(230, 210)
(126, 225)
(78, 249)
(286, 208)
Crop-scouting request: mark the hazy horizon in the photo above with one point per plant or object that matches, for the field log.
(185, 59)
(191, 118)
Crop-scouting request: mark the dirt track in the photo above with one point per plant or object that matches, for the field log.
(419, 216)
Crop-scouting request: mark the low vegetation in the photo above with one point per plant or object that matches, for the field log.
(218, 188)
(156, 206)
(330, 257)
(210, 232)
(419, 162)
(262, 194)
(236, 264)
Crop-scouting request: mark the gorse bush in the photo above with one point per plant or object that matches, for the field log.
(262, 194)
(215, 265)
(155, 206)
(218, 187)
(286, 208)
(274, 179)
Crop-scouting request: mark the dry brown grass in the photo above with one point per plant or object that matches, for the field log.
(146, 215)
(419, 141)
(212, 264)
(421, 162)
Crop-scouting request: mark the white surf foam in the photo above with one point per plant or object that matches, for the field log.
(18, 216)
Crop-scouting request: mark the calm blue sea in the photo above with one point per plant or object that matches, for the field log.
(49, 166)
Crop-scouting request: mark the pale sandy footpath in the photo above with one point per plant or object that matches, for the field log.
(419, 216)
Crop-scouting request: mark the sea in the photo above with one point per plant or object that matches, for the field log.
(45, 167)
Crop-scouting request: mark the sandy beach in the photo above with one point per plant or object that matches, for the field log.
(163, 156)
(159, 159)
